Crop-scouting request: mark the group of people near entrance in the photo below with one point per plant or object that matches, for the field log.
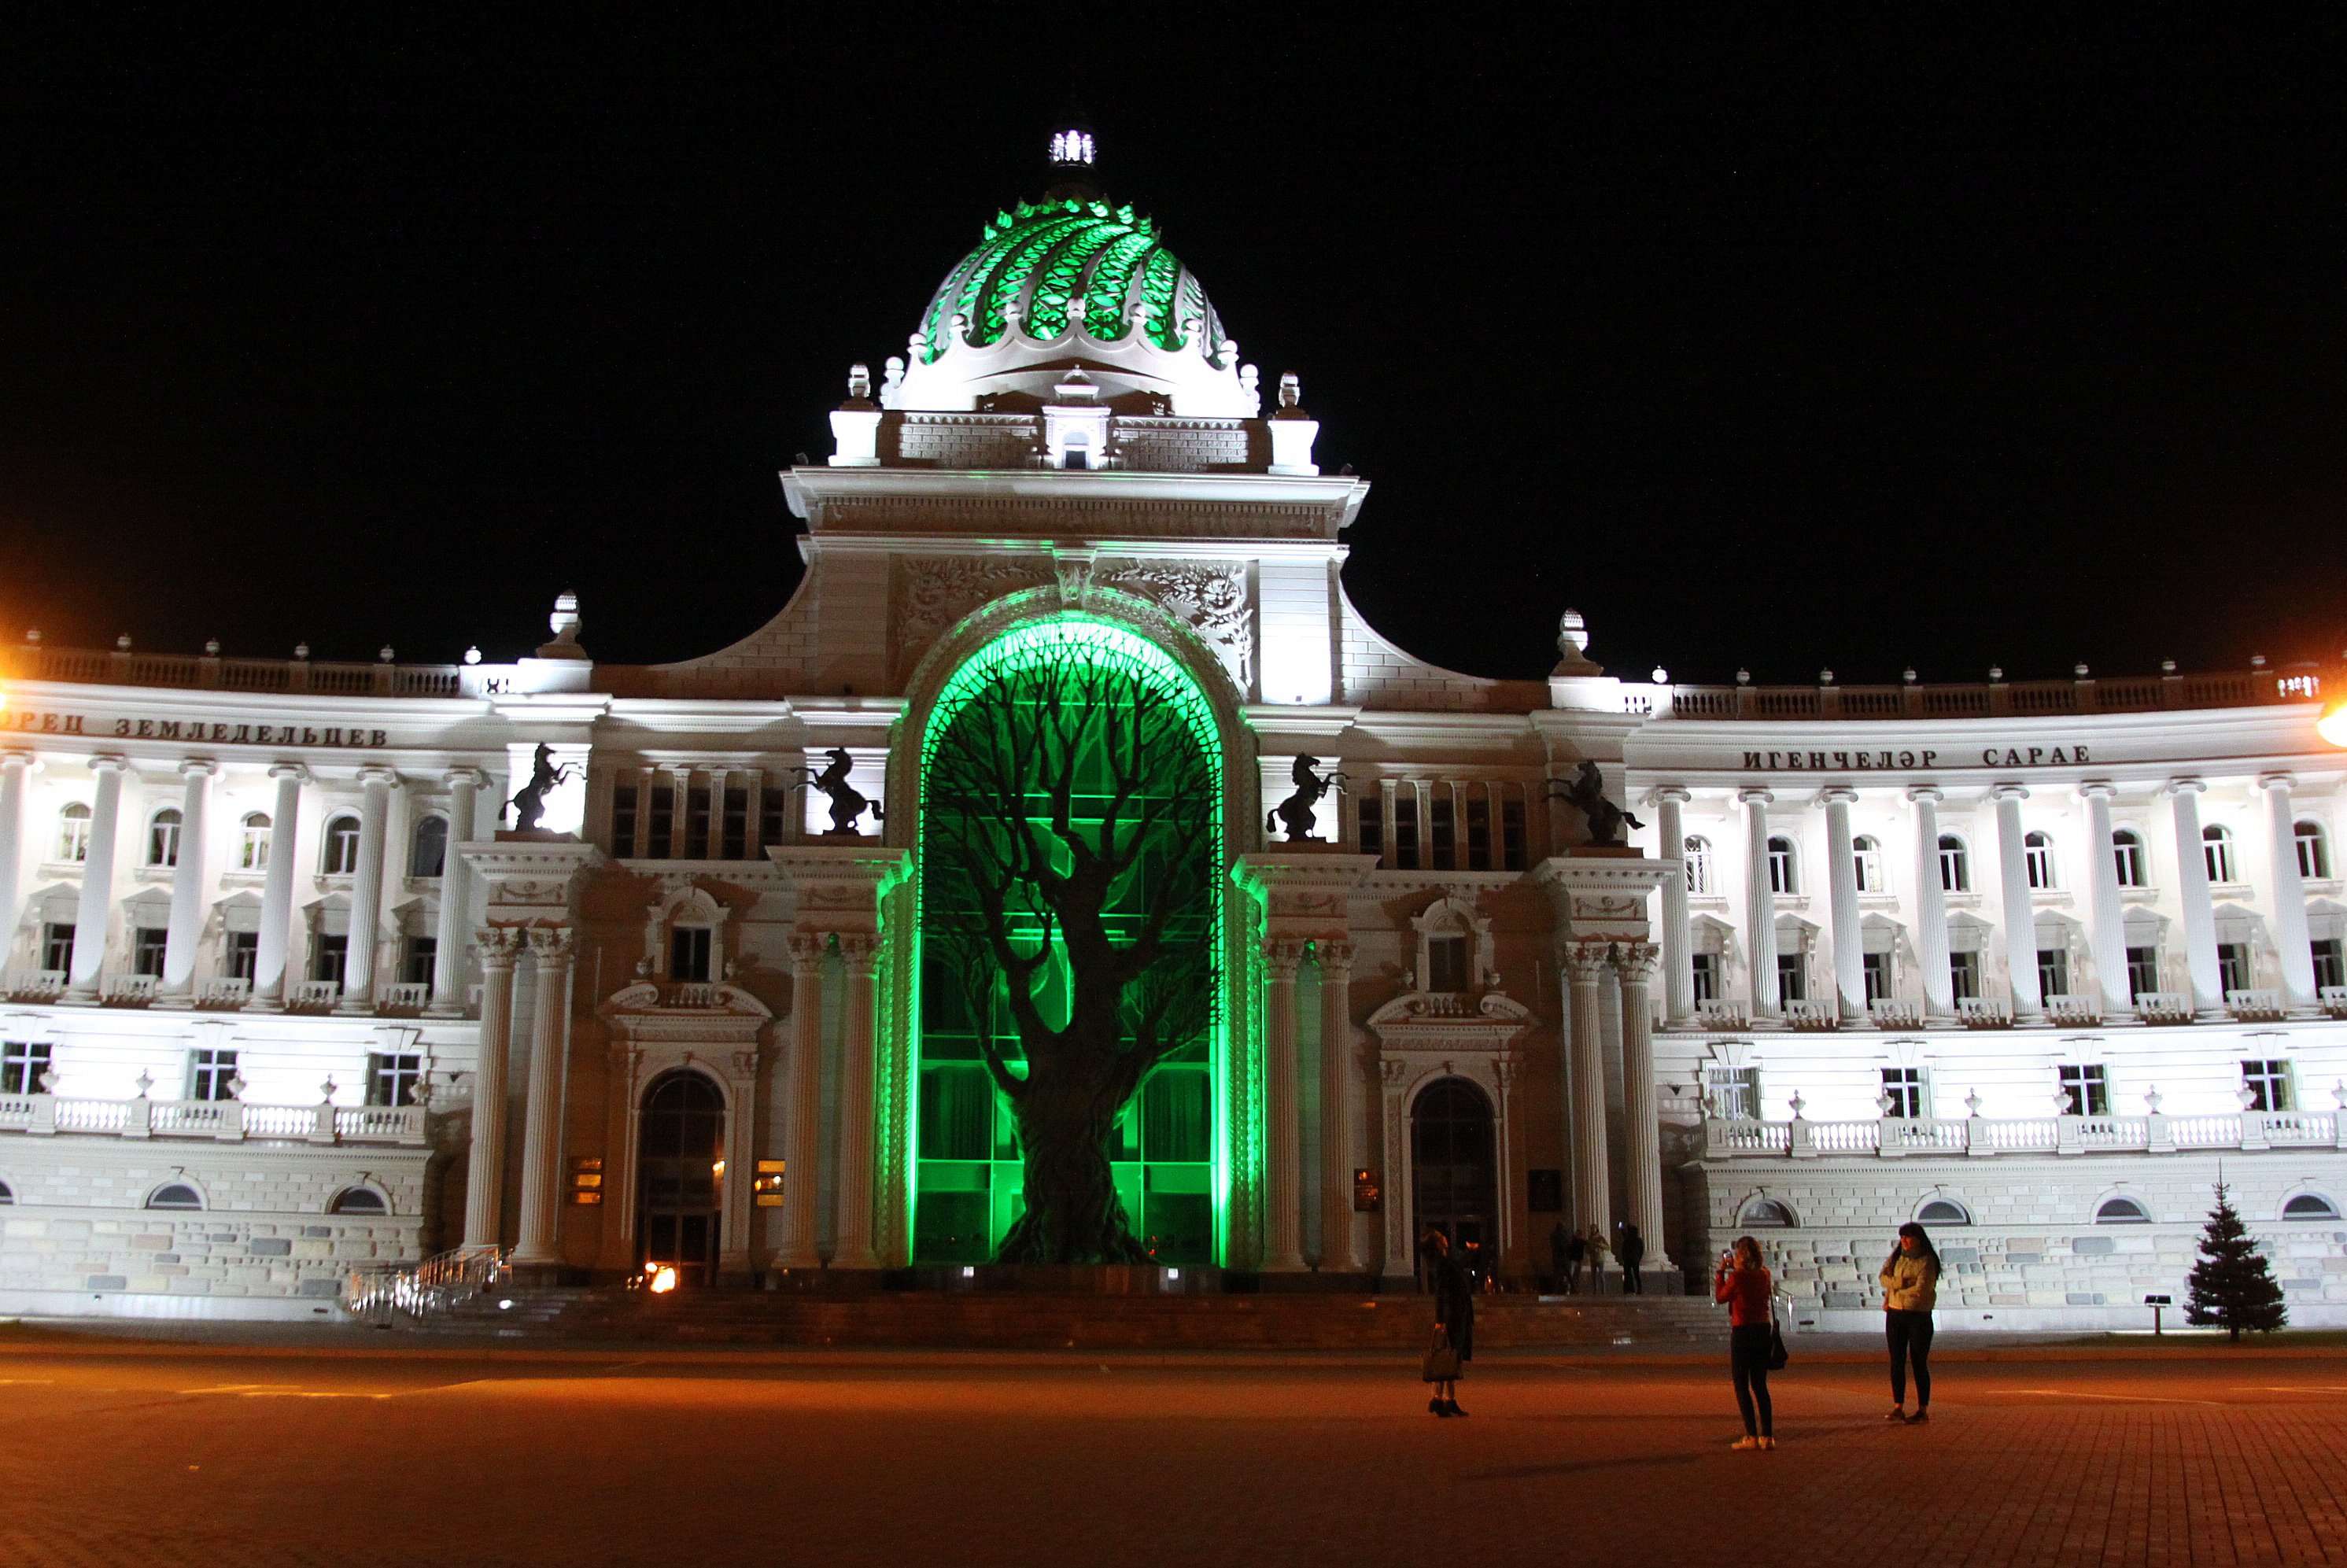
(1741, 1282)
(1570, 1252)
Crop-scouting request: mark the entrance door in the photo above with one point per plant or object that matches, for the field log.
(679, 1159)
(1454, 1171)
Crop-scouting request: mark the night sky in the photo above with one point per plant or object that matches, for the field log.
(1764, 343)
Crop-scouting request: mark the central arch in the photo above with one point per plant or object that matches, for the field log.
(1455, 1169)
(680, 1175)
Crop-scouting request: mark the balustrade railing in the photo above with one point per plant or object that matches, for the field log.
(1894, 1137)
(2254, 1005)
(1914, 700)
(1896, 1012)
(128, 990)
(404, 996)
(2333, 999)
(227, 992)
(34, 985)
(224, 1120)
(2072, 1009)
(1722, 1012)
(312, 996)
(1983, 1012)
(2163, 1007)
(439, 1283)
(1803, 1014)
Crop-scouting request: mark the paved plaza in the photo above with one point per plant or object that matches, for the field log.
(154, 1453)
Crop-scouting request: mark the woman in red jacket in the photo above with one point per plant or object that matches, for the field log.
(1742, 1282)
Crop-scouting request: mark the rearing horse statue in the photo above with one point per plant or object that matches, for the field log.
(846, 802)
(1295, 810)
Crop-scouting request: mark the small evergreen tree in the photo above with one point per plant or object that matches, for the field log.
(2231, 1287)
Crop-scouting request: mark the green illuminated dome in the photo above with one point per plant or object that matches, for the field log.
(1073, 282)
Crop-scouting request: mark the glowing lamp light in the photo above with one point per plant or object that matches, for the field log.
(663, 1280)
(2332, 725)
(1071, 147)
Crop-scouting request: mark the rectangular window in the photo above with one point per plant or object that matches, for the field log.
(1964, 975)
(2087, 1088)
(1446, 833)
(772, 803)
(1905, 1086)
(2233, 965)
(2329, 962)
(1511, 834)
(1404, 835)
(147, 946)
(326, 962)
(1878, 977)
(416, 959)
(1780, 866)
(696, 831)
(392, 1079)
(660, 837)
(1479, 833)
(209, 1072)
(624, 822)
(22, 1063)
(1734, 1092)
(1445, 964)
(1792, 978)
(687, 953)
(1707, 977)
(242, 955)
(57, 945)
(2143, 971)
(2269, 1085)
(1372, 838)
(735, 839)
(2127, 851)
(2054, 971)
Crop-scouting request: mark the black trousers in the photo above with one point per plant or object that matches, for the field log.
(1910, 1334)
(1747, 1362)
(1631, 1284)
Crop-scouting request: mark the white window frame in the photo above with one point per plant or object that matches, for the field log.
(1956, 863)
(2037, 858)
(73, 832)
(415, 841)
(252, 852)
(1735, 1089)
(1911, 1092)
(2270, 1079)
(1866, 853)
(1784, 866)
(2087, 1085)
(210, 1067)
(1697, 850)
(2314, 846)
(2128, 857)
(331, 840)
(2217, 853)
(163, 837)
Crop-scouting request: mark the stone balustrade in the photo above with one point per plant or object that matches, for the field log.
(224, 1120)
(1897, 1137)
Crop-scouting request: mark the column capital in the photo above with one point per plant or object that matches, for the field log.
(808, 947)
(198, 767)
(1638, 961)
(376, 773)
(2188, 784)
(1921, 792)
(466, 777)
(858, 950)
(1333, 955)
(25, 760)
(293, 771)
(1679, 793)
(1838, 794)
(2281, 779)
(553, 946)
(109, 762)
(2005, 792)
(1584, 961)
(2098, 789)
(1754, 794)
(1282, 956)
(498, 946)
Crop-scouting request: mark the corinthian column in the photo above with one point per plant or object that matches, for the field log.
(1584, 966)
(2290, 938)
(2020, 913)
(803, 1109)
(455, 885)
(551, 954)
(1841, 886)
(96, 908)
(1759, 902)
(484, 1168)
(366, 891)
(1283, 1250)
(1641, 1126)
(1336, 1068)
(277, 892)
(1678, 941)
(857, 1047)
(1931, 909)
(13, 768)
(178, 986)
(2108, 930)
(2192, 891)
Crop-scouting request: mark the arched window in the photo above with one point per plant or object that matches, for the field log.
(1943, 1212)
(429, 853)
(2122, 1212)
(340, 856)
(1782, 870)
(2313, 849)
(2126, 849)
(1868, 852)
(175, 1195)
(73, 832)
(358, 1200)
(1698, 864)
(2309, 1206)
(1955, 864)
(7, 1194)
(2217, 849)
(1765, 1214)
(252, 852)
(163, 837)
(2037, 857)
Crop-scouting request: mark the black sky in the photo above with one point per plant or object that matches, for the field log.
(1852, 342)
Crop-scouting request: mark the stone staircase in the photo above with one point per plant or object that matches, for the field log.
(1036, 1321)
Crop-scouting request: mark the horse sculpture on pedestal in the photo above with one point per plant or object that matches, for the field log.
(846, 802)
(1295, 812)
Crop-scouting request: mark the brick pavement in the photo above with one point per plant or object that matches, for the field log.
(359, 1461)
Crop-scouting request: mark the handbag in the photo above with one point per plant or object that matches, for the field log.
(1441, 1364)
(1777, 1354)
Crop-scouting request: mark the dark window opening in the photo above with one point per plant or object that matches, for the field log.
(735, 836)
(326, 963)
(1964, 975)
(21, 1062)
(1878, 977)
(210, 1074)
(1445, 964)
(243, 954)
(1511, 835)
(624, 822)
(659, 842)
(1373, 827)
(147, 945)
(2233, 965)
(2143, 972)
(416, 959)
(57, 945)
(1446, 837)
(392, 1079)
(1792, 978)
(1479, 834)
(1405, 833)
(697, 826)
(687, 953)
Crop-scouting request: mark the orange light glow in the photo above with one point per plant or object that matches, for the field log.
(663, 1280)
(2332, 725)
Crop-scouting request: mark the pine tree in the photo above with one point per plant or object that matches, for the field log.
(2231, 1287)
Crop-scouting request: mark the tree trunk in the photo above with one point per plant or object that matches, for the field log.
(1073, 1215)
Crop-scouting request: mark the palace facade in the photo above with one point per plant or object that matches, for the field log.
(285, 997)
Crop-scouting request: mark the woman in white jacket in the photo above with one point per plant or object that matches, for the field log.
(1911, 1289)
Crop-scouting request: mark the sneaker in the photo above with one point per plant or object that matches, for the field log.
(1898, 1413)
(1919, 1418)
(1767, 1442)
(1746, 1442)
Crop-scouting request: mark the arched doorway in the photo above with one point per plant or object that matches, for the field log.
(680, 1155)
(1454, 1169)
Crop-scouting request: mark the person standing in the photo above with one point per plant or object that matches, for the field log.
(1574, 1248)
(1632, 1252)
(1560, 1257)
(1911, 1290)
(1454, 1319)
(1741, 1281)
(1595, 1244)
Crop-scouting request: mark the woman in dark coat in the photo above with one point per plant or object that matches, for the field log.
(1454, 1316)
